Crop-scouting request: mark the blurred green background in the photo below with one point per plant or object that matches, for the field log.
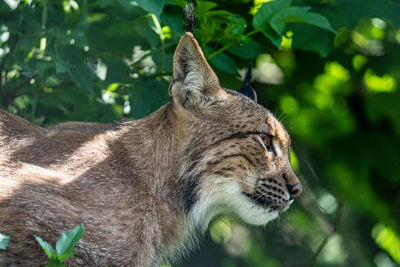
(328, 69)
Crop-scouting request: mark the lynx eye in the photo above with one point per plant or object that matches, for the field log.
(267, 140)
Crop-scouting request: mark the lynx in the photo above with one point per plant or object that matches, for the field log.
(144, 189)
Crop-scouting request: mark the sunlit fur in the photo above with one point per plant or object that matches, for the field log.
(146, 189)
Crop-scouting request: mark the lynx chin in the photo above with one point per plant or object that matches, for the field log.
(144, 189)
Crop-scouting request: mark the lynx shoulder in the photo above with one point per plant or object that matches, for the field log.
(144, 188)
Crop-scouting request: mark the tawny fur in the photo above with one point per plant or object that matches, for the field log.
(142, 188)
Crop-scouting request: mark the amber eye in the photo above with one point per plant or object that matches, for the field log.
(267, 139)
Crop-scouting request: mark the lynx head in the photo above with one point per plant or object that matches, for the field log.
(234, 154)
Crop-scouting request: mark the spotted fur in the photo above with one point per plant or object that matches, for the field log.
(144, 189)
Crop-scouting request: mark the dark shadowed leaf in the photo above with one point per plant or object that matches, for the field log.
(223, 62)
(272, 17)
(147, 96)
(298, 14)
(246, 50)
(82, 75)
(349, 12)
(151, 6)
(309, 38)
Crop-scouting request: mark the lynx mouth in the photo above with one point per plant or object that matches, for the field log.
(268, 203)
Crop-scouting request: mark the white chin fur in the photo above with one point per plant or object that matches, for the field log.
(252, 213)
(246, 209)
(229, 198)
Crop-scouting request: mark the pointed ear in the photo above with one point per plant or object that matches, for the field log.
(193, 83)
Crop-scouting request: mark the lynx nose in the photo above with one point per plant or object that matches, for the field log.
(294, 190)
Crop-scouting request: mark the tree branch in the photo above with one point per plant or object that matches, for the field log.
(12, 94)
(60, 85)
(23, 83)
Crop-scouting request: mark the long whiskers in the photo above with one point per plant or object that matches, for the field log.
(241, 181)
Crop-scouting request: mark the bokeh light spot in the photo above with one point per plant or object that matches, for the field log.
(328, 203)
(388, 240)
(359, 61)
(257, 5)
(289, 104)
(336, 70)
(375, 83)
(166, 31)
(333, 251)
(294, 161)
(221, 231)
(287, 40)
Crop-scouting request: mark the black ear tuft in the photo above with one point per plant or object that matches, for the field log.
(189, 16)
(246, 89)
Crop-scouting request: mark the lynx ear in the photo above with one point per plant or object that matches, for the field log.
(193, 83)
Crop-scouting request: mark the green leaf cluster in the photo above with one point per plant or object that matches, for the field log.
(273, 16)
(65, 246)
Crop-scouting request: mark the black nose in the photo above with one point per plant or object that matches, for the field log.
(294, 190)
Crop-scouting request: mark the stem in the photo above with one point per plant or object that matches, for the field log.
(12, 94)
(44, 16)
(222, 49)
(162, 40)
(23, 83)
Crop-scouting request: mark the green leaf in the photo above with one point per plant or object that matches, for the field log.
(264, 15)
(116, 37)
(73, 59)
(32, 20)
(180, 3)
(65, 245)
(272, 17)
(50, 252)
(119, 37)
(144, 26)
(174, 21)
(117, 72)
(151, 6)
(225, 63)
(298, 14)
(348, 13)
(204, 6)
(4, 239)
(82, 76)
(146, 96)
(267, 10)
(60, 67)
(309, 38)
(234, 24)
(247, 50)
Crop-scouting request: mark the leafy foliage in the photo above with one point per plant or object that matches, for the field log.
(329, 69)
(64, 247)
(272, 18)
